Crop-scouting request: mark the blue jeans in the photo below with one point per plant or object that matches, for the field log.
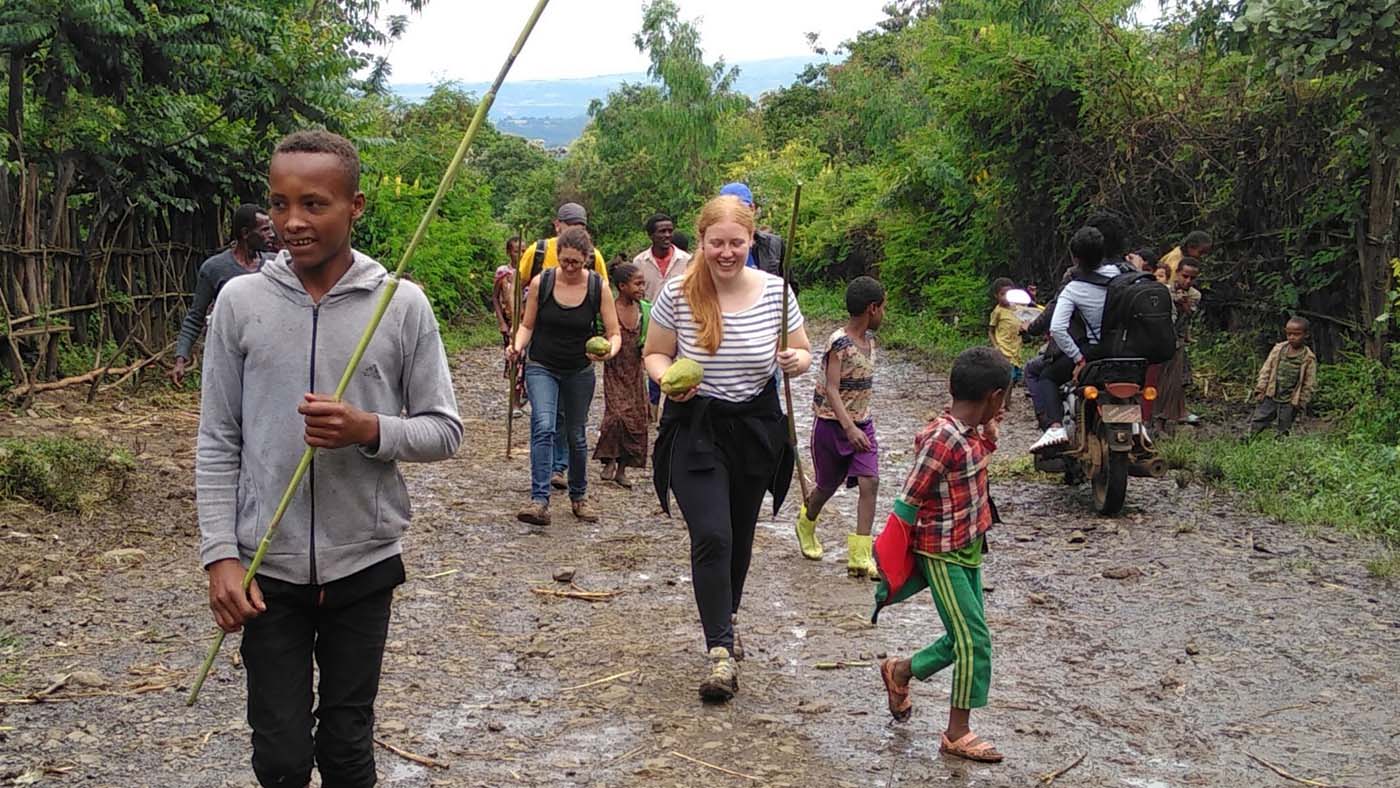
(553, 394)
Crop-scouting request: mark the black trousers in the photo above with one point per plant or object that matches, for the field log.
(345, 631)
(1050, 376)
(1269, 409)
(721, 507)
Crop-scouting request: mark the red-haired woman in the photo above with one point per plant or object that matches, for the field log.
(723, 444)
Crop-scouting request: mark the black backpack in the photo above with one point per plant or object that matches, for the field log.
(1137, 317)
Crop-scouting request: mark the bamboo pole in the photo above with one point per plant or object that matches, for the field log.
(516, 289)
(783, 338)
(391, 285)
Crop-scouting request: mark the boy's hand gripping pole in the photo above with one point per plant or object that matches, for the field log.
(448, 178)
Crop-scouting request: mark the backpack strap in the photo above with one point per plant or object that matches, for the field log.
(546, 285)
(537, 266)
(595, 301)
(1093, 279)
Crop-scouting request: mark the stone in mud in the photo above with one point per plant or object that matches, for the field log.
(682, 376)
(1193, 649)
(1121, 572)
(565, 574)
(88, 678)
(598, 346)
(1076, 537)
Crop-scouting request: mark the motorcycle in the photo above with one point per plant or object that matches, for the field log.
(1108, 441)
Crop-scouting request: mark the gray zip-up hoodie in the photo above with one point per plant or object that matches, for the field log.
(268, 345)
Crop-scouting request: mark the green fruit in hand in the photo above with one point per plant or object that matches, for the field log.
(598, 346)
(683, 376)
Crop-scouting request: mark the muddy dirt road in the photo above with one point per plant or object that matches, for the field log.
(1166, 645)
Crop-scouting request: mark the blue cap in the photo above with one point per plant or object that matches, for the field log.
(740, 190)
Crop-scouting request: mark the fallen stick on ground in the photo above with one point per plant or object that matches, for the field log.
(685, 757)
(1285, 775)
(613, 677)
(442, 574)
(409, 756)
(860, 663)
(1050, 777)
(577, 593)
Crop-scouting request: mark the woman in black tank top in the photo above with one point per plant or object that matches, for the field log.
(561, 314)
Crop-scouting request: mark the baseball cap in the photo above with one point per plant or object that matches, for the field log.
(740, 190)
(572, 213)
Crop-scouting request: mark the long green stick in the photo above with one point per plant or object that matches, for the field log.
(448, 178)
(783, 337)
(513, 367)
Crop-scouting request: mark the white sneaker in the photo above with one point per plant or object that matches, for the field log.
(1052, 437)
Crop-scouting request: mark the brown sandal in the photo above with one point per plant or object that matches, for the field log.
(971, 748)
(900, 706)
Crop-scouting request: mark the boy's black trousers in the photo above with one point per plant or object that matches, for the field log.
(343, 625)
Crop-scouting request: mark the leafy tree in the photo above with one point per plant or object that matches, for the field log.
(1356, 43)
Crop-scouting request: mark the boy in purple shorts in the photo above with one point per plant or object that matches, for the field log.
(844, 450)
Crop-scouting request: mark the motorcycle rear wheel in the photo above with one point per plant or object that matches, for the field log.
(1111, 484)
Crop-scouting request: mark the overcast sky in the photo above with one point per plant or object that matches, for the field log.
(467, 40)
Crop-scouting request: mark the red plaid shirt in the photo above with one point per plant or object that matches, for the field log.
(944, 500)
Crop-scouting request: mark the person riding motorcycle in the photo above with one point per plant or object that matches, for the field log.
(1075, 328)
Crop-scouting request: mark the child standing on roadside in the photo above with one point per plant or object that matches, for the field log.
(936, 537)
(1286, 381)
(844, 450)
(1004, 327)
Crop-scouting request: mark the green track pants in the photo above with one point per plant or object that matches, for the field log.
(966, 644)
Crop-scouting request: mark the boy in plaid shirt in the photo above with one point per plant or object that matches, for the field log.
(936, 537)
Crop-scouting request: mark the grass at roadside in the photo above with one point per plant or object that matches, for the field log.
(919, 332)
(469, 333)
(1325, 479)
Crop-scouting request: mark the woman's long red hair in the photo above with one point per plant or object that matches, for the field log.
(698, 286)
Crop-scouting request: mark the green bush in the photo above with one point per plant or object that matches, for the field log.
(456, 261)
(63, 474)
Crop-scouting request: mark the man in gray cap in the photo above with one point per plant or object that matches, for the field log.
(537, 257)
(544, 253)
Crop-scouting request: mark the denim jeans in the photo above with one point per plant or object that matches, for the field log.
(554, 395)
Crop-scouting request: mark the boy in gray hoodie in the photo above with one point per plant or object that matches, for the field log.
(278, 342)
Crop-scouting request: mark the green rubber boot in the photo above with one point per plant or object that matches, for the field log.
(807, 536)
(859, 562)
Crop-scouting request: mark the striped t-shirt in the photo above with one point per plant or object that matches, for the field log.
(748, 352)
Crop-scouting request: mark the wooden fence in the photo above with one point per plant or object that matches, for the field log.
(93, 279)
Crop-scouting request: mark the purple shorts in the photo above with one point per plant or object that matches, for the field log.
(835, 461)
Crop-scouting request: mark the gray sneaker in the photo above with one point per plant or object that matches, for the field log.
(723, 680)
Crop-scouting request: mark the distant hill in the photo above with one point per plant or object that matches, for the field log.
(556, 110)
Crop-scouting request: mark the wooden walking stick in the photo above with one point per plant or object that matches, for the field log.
(391, 285)
(783, 337)
(516, 288)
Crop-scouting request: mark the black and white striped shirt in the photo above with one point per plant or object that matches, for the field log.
(747, 358)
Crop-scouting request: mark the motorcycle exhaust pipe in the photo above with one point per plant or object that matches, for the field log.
(1155, 468)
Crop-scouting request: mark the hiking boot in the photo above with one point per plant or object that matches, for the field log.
(584, 512)
(558, 482)
(534, 513)
(807, 536)
(859, 562)
(723, 680)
